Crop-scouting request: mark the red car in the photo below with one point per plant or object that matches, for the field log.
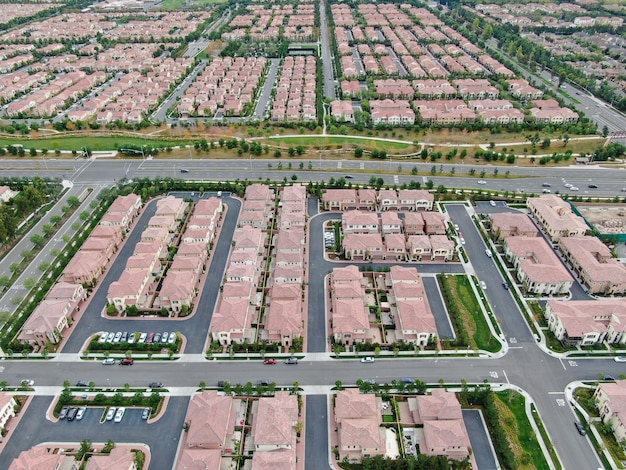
(269, 361)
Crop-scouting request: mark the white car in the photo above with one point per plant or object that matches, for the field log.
(119, 415)
(172, 338)
(117, 337)
(109, 361)
(483, 285)
(132, 338)
(103, 337)
(367, 359)
(110, 337)
(620, 359)
(142, 337)
(111, 413)
(573, 188)
(456, 227)
(81, 412)
(488, 253)
(481, 182)
(568, 185)
(493, 203)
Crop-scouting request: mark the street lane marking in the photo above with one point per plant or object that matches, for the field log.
(505, 376)
(494, 374)
(560, 401)
(561, 360)
(573, 363)
(512, 340)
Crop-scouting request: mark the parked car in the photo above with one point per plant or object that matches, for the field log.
(407, 380)
(269, 361)
(117, 337)
(81, 412)
(481, 182)
(221, 383)
(119, 414)
(82, 383)
(172, 338)
(505, 285)
(493, 203)
(142, 337)
(156, 338)
(456, 227)
(109, 361)
(620, 359)
(110, 337)
(145, 414)
(111, 413)
(164, 336)
(291, 360)
(546, 191)
(132, 338)
(483, 285)
(103, 337)
(124, 338)
(367, 359)
(71, 414)
(580, 428)
(609, 377)
(369, 381)
(27, 382)
(155, 384)
(488, 253)
(150, 338)
(63, 412)
(263, 382)
(127, 361)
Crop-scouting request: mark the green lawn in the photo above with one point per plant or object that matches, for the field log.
(341, 140)
(93, 143)
(177, 4)
(473, 318)
(522, 436)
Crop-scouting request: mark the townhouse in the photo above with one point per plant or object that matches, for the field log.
(415, 200)
(7, 193)
(7, 409)
(433, 247)
(610, 400)
(391, 112)
(587, 322)
(550, 112)
(274, 432)
(555, 217)
(348, 309)
(413, 320)
(537, 267)
(211, 420)
(444, 429)
(42, 457)
(358, 420)
(342, 110)
(594, 263)
(359, 222)
(512, 224)
(284, 320)
(119, 459)
(339, 199)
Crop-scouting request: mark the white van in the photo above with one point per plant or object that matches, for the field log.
(488, 253)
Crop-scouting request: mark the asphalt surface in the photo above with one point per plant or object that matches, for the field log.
(159, 436)
(543, 376)
(195, 328)
(479, 440)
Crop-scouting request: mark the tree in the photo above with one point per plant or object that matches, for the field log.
(47, 229)
(29, 283)
(43, 266)
(338, 385)
(73, 201)
(37, 240)
(85, 448)
(84, 215)
(5, 281)
(358, 152)
(108, 447)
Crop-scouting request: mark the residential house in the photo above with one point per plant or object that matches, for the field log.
(211, 421)
(415, 200)
(593, 262)
(171, 205)
(359, 222)
(587, 322)
(395, 245)
(7, 409)
(7, 193)
(555, 216)
(131, 289)
(120, 458)
(413, 223)
(342, 111)
(339, 199)
(419, 247)
(610, 400)
(177, 291)
(207, 459)
(387, 200)
(390, 223)
(232, 322)
(434, 223)
(512, 224)
(537, 267)
(444, 430)
(102, 231)
(366, 199)
(40, 457)
(273, 429)
(358, 418)
(85, 268)
(363, 246)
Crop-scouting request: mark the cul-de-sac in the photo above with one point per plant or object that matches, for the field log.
(313, 235)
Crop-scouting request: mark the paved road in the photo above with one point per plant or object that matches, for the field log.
(159, 436)
(330, 84)
(523, 179)
(18, 290)
(195, 328)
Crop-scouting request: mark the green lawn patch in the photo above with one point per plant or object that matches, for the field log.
(524, 443)
(93, 143)
(460, 298)
(321, 141)
(584, 397)
(178, 4)
(387, 419)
